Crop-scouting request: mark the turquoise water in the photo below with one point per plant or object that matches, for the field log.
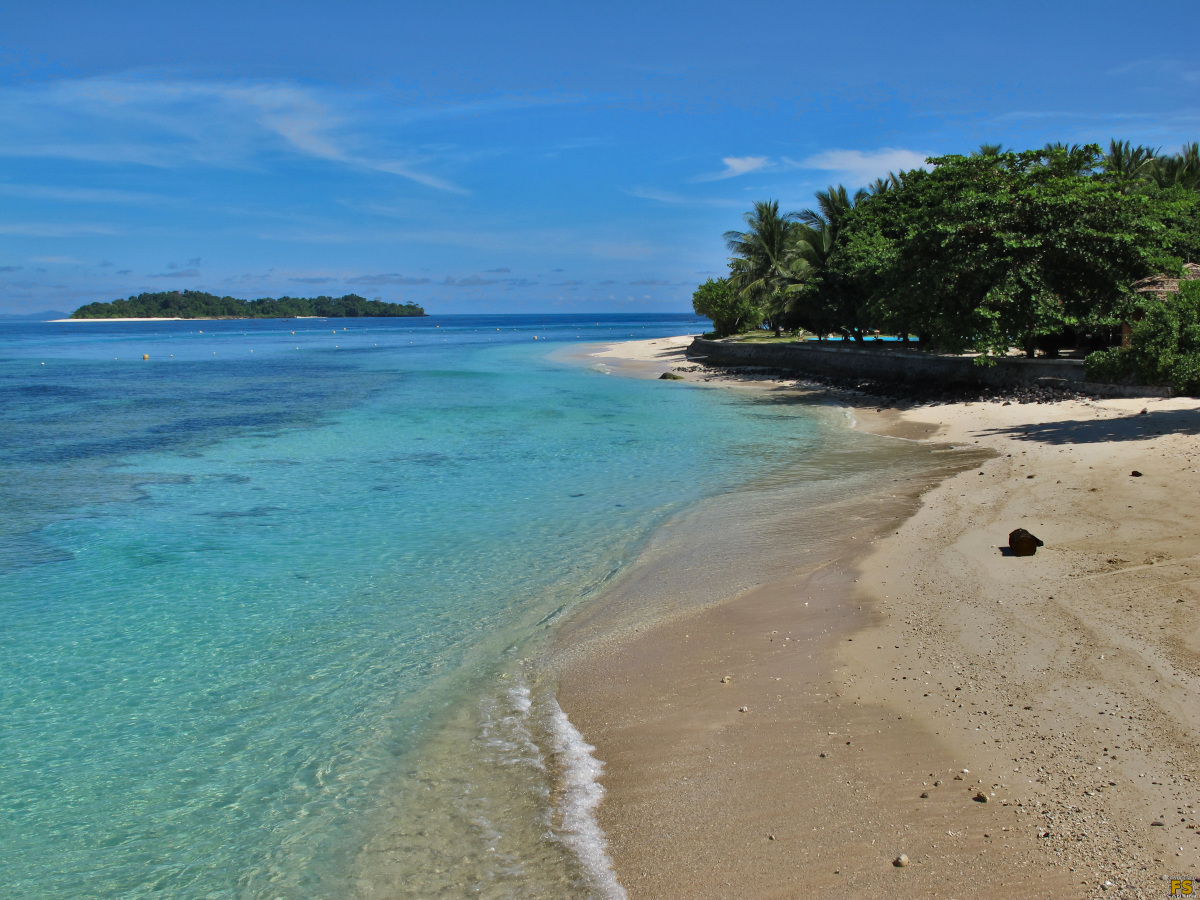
(245, 580)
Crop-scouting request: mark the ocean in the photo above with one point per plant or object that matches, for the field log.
(279, 589)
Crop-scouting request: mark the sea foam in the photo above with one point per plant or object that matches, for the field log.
(580, 796)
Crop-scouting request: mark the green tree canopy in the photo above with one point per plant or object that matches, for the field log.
(729, 310)
(984, 252)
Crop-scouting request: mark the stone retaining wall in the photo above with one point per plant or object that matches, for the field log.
(890, 364)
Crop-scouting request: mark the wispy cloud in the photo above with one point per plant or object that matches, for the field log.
(172, 123)
(501, 271)
(1160, 70)
(674, 199)
(735, 166)
(80, 195)
(387, 278)
(312, 280)
(650, 281)
(54, 229)
(857, 167)
(177, 273)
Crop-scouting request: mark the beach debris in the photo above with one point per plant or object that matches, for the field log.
(743, 709)
(1023, 543)
(727, 679)
(980, 797)
(670, 376)
(937, 783)
(1158, 824)
(924, 795)
(823, 755)
(958, 778)
(1134, 474)
(900, 861)
(770, 837)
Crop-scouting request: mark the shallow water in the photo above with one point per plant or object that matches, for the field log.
(266, 595)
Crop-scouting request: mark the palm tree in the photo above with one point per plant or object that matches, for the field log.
(821, 230)
(1183, 168)
(834, 204)
(1127, 165)
(762, 259)
(988, 150)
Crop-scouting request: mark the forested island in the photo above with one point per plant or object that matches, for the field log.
(200, 305)
(1063, 247)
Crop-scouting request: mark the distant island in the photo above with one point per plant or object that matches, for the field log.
(199, 305)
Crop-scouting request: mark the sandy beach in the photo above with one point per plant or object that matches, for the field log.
(1015, 727)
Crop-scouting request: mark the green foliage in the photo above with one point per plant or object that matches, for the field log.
(729, 310)
(199, 305)
(763, 263)
(982, 253)
(988, 251)
(1164, 346)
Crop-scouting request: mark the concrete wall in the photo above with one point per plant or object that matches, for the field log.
(889, 364)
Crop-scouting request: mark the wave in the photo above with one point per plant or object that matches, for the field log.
(580, 796)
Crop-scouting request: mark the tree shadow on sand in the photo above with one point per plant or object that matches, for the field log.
(1137, 427)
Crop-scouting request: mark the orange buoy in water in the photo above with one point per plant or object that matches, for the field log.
(535, 337)
(145, 356)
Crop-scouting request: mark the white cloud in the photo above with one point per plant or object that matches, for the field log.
(737, 165)
(173, 123)
(858, 168)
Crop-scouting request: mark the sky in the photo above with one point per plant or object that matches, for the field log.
(532, 157)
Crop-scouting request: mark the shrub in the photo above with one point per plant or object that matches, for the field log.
(730, 312)
(1164, 346)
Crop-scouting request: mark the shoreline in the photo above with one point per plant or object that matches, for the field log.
(772, 801)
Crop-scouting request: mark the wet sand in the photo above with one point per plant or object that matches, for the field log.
(1065, 684)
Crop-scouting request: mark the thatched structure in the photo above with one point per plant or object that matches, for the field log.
(1160, 286)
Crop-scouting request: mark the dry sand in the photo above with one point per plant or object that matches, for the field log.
(1061, 687)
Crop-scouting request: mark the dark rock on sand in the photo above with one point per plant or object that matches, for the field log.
(1023, 543)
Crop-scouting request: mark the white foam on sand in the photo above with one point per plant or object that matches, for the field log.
(580, 796)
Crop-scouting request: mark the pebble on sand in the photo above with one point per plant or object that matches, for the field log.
(900, 861)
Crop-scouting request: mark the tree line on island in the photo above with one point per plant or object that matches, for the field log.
(200, 305)
(1065, 246)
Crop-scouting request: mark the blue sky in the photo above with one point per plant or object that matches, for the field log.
(534, 157)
